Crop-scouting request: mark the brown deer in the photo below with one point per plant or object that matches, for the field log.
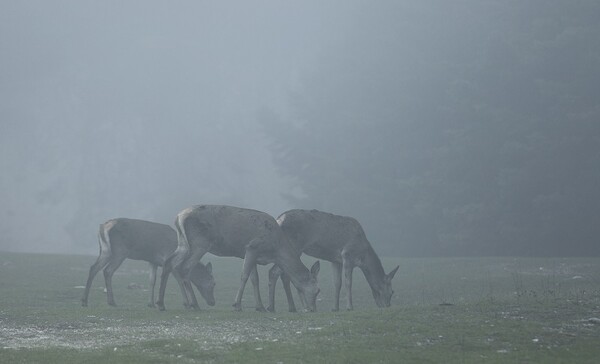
(228, 231)
(142, 240)
(340, 240)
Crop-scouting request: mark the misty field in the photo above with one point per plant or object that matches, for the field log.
(480, 310)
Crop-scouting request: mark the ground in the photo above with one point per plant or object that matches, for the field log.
(444, 310)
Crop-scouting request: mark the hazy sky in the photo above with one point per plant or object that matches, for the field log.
(142, 108)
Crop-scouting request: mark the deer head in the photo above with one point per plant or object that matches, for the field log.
(310, 290)
(203, 279)
(383, 294)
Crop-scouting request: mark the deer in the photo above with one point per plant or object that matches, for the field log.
(252, 235)
(339, 240)
(152, 242)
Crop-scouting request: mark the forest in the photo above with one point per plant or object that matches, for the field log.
(477, 136)
(447, 128)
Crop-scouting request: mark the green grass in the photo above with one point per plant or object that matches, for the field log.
(475, 310)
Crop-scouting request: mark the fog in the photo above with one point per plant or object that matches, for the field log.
(140, 109)
(445, 128)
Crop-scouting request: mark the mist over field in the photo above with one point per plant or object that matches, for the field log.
(447, 128)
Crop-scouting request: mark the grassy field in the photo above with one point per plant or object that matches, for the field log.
(480, 310)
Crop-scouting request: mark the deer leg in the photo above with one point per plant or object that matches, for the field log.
(163, 284)
(274, 274)
(348, 278)
(100, 263)
(285, 280)
(182, 288)
(254, 279)
(108, 273)
(186, 271)
(153, 268)
(171, 264)
(187, 285)
(336, 269)
(249, 266)
(172, 261)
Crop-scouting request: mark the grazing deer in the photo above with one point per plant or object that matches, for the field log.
(142, 240)
(228, 231)
(340, 240)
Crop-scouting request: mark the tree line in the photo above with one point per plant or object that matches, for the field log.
(454, 128)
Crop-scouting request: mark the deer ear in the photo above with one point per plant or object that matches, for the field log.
(392, 273)
(209, 267)
(314, 270)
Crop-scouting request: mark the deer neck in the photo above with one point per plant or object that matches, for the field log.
(291, 264)
(372, 269)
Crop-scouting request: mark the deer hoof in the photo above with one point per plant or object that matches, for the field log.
(151, 305)
(261, 309)
(112, 304)
(195, 307)
(335, 309)
(237, 307)
(83, 303)
(293, 309)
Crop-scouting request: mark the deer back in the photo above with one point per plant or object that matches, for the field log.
(141, 240)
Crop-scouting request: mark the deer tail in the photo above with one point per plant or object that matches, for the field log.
(183, 245)
(104, 240)
(182, 239)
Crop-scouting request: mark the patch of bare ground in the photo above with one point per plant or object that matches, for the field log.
(548, 268)
(94, 334)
